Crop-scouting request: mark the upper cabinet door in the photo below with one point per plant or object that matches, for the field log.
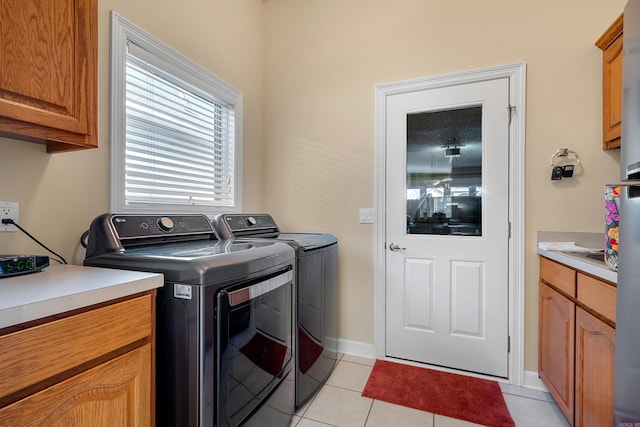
(48, 72)
(611, 44)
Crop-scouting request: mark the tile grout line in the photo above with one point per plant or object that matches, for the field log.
(368, 412)
(529, 397)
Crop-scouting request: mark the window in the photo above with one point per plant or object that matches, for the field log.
(176, 130)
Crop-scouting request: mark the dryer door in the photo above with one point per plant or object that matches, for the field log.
(255, 347)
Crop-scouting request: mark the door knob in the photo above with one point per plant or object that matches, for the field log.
(394, 247)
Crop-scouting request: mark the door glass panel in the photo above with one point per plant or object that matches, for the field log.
(444, 172)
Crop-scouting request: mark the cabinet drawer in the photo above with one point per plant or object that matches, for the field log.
(561, 277)
(597, 295)
(31, 355)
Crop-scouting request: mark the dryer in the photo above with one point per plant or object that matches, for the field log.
(316, 294)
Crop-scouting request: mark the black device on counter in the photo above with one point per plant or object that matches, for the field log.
(16, 265)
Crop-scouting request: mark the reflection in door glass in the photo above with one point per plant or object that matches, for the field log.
(444, 172)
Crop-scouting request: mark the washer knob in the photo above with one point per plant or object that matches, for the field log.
(251, 221)
(165, 223)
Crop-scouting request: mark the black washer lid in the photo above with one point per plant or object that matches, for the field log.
(200, 262)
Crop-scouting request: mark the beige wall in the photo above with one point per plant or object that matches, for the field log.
(322, 61)
(60, 194)
(309, 68)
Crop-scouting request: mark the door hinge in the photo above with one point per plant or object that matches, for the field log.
(509, 229)
(508, 344)
(512, 109)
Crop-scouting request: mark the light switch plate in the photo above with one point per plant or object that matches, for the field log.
(366, 215)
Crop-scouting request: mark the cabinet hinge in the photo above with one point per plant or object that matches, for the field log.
(512, 109)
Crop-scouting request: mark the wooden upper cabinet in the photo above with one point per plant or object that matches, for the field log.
(48, 72)
(611, 44)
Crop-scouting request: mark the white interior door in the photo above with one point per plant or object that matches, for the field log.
(447, 226)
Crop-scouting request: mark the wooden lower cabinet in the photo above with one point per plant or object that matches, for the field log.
(114, 394)
(93, 367)
(595, 350)
(556, 347)
(576, 349)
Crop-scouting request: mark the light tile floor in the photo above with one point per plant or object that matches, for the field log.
(340, 404)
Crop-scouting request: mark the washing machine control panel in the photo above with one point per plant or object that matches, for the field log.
(136, 226)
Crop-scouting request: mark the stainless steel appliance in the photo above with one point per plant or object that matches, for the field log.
(627, 359)
(224, 352)
(316, 294)
(627, 352)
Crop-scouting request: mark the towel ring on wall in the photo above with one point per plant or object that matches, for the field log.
(562, 164)
(562, 156)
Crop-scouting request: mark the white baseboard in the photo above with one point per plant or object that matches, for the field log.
(356, 348)
(533, 382)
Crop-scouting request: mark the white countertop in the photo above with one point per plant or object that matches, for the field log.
(577, 260)
(60, 288)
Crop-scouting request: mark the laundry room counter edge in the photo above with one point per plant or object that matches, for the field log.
(61, 288)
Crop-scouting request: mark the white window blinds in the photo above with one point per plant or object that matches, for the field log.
(179, 146)
(175, 130)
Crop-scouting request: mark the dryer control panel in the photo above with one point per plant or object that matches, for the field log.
(244, 225)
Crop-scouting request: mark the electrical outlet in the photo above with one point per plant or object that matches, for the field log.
(8, 210)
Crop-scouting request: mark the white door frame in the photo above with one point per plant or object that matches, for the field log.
(517, 84)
